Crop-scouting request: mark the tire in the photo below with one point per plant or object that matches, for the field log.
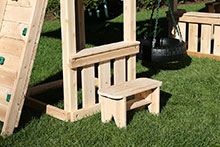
(166, 50)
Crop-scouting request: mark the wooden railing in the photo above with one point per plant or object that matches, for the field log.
(201, 32)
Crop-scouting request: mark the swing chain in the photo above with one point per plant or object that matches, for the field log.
(156, 23)
(174, 22)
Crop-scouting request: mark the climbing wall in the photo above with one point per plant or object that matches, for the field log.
(20, 26)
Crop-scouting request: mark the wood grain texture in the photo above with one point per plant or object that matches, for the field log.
(193, 37)
(217, 41)
(206, 33)
(88, 86)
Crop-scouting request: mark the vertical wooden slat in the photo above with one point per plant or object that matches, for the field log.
(104, 75)
(80, 25)
(217, 40)
(193, 37)
(119, 71)
(2, 10)
(206, 38)
(69, 48)
(182, 26)
(130, 35)
(88, 86)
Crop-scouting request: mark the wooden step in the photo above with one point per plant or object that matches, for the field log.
(129, 88)
(18, 14)
(11, 46)
(13, 29)
(11, 63)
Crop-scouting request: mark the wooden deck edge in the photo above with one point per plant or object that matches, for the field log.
(82, 113)
(48, 109)
(202, 55)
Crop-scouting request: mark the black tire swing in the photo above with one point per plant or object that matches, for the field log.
(163, 49)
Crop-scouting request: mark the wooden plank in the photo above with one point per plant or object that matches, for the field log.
(48, 109)
(154, 107)
(45, 87)
(21, 3)
(11, 46)
(217, 41)
(104, 48)
(132, 87)
(193, 37)
(202, 15)
(81, 113)
(80, 25)
(7, 79)
(201, 20)
(3, 110)
(202, 55)
(13, 30)
(20, 87)
(119, 70)
(88, 86)
(182, 26)
(17, 14)
(4, 91)
(11, 63)
(2, 10)
(88, 60)
(206, 34)
(69, 47)
(104, 75)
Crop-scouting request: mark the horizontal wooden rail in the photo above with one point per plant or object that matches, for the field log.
(103, 53)
(201, 17)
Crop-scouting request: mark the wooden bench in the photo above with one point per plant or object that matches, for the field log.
(114, 99)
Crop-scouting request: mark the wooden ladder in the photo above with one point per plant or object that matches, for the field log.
(20, 27)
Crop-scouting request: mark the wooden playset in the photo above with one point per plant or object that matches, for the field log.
(21, 23)
(20, 26)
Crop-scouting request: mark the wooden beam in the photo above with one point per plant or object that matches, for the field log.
(48, 109)
(68, 26)
(96, 55)
(45, 87)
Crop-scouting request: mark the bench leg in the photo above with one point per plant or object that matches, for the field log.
(154, 107)
(120, 113)
(106, 109)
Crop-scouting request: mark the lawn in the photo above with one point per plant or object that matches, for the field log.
(190, 98)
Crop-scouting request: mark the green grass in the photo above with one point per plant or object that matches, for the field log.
(190, 100)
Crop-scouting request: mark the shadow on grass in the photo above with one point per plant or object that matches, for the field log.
(164, 97)
(155, 68)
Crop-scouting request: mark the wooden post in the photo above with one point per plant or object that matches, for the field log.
(80, 25)
(130, 34)
(69, 47)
